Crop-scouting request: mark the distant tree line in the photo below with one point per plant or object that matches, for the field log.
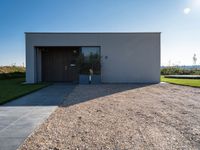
(178, 70)
(9, 72)
(175, 70)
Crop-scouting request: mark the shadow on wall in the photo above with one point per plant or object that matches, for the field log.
(83, 93)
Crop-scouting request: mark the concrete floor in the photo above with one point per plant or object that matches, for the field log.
(20, 117)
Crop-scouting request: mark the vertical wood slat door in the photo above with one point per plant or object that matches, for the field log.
(71, 74)
(56, 65)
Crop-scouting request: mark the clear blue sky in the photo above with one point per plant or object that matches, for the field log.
(178, 20)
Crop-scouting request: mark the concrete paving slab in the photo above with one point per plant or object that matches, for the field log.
(20, 117)
(12, 142)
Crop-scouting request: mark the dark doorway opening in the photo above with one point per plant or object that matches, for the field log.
(59, 64)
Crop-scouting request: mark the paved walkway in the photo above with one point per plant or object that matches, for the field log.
(20, 117)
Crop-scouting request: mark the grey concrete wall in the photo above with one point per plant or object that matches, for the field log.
(131, 57)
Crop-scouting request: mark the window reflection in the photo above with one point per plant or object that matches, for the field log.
(90, 59)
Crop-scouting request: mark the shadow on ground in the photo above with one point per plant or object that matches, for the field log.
(52, 95)
(96, 91)
(57, 93)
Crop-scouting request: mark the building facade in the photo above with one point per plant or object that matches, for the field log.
(107, 57)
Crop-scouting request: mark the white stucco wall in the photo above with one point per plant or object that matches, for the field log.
(131, 57)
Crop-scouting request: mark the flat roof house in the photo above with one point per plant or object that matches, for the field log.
(109, 57)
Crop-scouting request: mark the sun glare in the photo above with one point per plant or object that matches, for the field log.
(187, 10)
(194, 6)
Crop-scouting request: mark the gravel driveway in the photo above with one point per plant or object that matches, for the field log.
(161, 116)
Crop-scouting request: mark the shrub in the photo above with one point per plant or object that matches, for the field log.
(179, 71)
(8, 72)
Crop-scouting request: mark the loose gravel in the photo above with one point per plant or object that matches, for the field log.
(122, 117)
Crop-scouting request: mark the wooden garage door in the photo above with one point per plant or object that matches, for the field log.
(58, 65)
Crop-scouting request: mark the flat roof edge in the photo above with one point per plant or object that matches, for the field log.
(92, 32)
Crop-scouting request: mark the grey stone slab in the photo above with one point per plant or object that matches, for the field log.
(50, 96)
(9, 143)
(20, 117)
(16, 131)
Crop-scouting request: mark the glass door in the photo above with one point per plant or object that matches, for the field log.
(90, 65)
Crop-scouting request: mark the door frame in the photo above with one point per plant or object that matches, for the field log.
(38, 60)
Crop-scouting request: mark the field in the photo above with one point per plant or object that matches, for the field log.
(185, 82)
(11, 83)
(13, 88)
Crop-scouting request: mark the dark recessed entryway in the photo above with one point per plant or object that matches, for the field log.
(59, 64)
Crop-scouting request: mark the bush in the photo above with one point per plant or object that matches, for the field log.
(179, 71)
(10, 72)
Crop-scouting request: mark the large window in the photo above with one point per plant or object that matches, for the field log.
(89, 58)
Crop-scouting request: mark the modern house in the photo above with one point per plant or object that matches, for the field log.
(108, 57)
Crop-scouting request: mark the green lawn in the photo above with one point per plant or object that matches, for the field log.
(186, 82)
(13, 88)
